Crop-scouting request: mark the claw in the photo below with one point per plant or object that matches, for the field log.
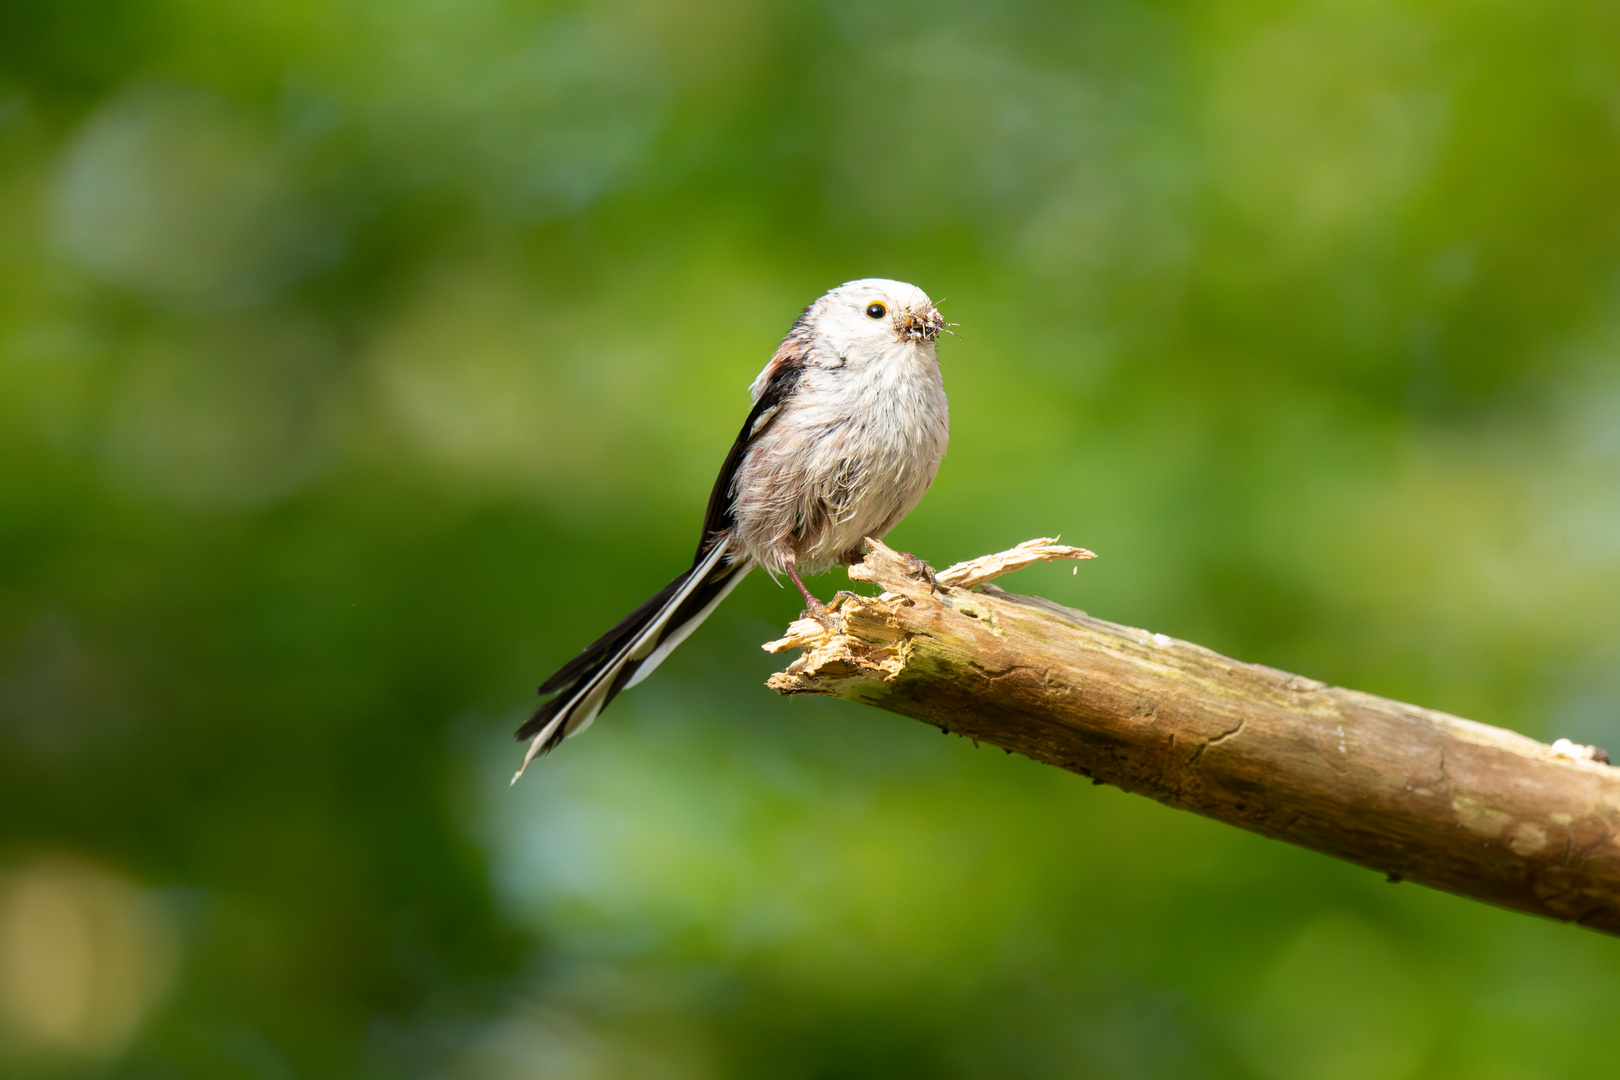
(919, 569)
(826, 614)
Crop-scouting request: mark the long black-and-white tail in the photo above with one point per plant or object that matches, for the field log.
(631, 650)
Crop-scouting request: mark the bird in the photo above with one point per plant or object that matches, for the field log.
(848, 426)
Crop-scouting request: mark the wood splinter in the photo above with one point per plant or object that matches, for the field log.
(1415, 794)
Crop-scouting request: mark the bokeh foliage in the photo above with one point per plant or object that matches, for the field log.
(360, 361)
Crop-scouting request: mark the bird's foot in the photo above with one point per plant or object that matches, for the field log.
(815, 609)
(825, 614)
(920, 570)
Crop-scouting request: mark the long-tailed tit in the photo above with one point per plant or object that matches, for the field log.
(847, 431)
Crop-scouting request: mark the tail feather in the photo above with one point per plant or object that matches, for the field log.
(611, 642)
(629, 652)
(685, 621)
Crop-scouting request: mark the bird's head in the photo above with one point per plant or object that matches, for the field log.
(876, 312)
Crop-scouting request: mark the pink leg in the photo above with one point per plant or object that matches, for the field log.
(816, 607)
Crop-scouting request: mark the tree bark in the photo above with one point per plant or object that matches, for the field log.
(1413, 793)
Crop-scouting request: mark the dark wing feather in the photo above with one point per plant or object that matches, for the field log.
(782, 376)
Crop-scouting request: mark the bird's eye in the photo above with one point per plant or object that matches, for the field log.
(876, 311)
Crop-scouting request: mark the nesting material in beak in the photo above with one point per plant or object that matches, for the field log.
(921, 325)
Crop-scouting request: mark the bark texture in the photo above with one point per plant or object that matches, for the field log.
(1413, 793)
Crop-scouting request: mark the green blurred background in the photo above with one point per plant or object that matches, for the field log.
(360, 361)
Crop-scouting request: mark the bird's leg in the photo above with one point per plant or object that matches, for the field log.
(813, 607)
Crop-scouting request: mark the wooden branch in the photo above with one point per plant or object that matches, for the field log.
(1413, 793)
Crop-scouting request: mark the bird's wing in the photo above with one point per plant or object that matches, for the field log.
(779, 379)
